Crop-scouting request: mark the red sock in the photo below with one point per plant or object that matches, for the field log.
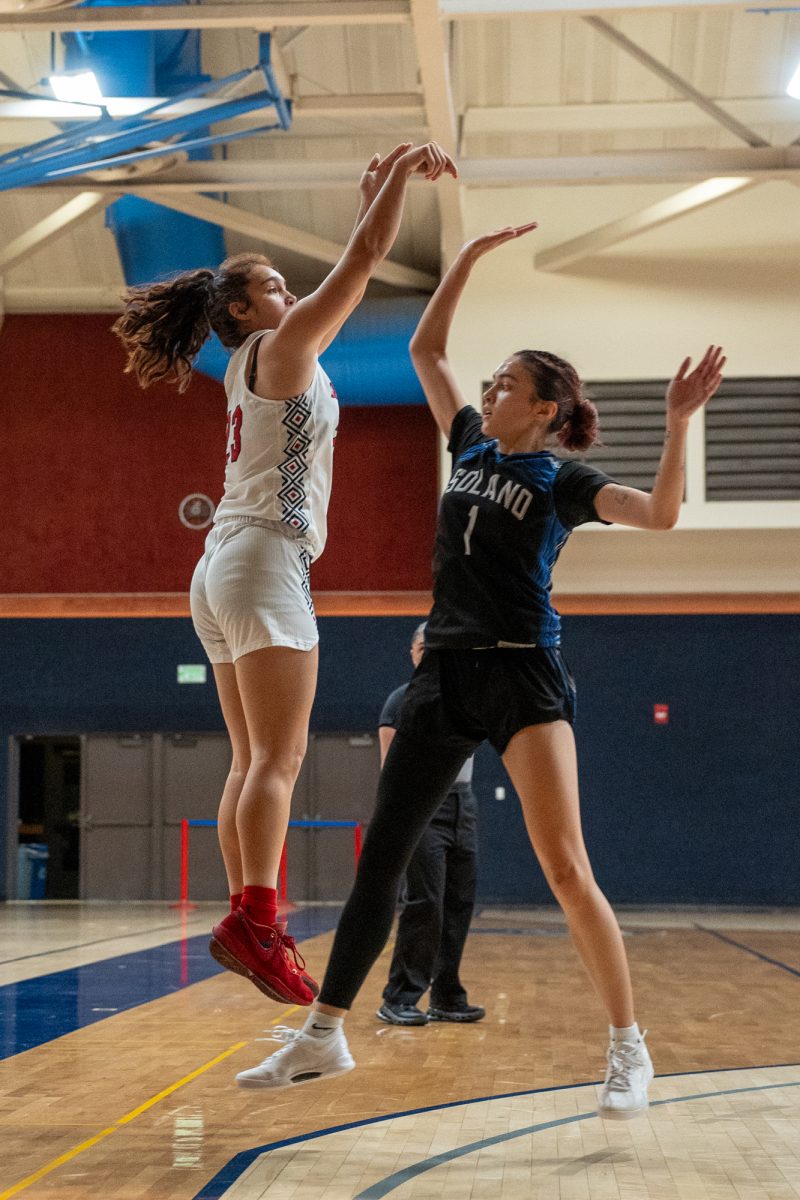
(236, 900)
(260, 904)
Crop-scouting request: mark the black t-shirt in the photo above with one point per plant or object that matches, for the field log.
(502, 523)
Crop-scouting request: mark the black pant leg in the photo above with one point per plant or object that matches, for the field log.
(415, 779)
(419, 929)
(461, 872)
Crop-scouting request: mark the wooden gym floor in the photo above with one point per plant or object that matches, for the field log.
(121, 1038)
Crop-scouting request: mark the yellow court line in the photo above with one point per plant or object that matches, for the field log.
(287, 1012)
(104, 1133)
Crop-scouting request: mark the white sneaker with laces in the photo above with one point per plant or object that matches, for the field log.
(303, 1059)
(628, 1074)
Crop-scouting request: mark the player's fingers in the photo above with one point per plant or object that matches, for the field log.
(710, 355)
(428, 159)
(714, 360)
(440, 162)
(393, 155)
(683, 368)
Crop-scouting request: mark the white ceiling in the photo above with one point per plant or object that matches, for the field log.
(515, 95)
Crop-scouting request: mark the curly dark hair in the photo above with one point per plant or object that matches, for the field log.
(164, 324)
(556, 381)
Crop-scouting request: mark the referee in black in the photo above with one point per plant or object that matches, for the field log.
(439, 896)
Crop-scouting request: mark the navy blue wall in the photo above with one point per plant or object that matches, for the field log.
(701, 810)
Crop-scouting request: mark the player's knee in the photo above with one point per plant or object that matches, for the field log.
(282, 761)
(570, 878)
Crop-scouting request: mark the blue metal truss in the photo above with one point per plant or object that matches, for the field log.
(121, 141)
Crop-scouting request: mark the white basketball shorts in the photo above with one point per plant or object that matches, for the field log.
(250, 590)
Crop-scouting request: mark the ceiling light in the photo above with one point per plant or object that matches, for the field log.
(80, 87)
(793, 86)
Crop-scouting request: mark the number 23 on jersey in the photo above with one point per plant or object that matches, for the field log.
(233, 435)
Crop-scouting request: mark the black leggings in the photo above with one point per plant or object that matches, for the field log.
(415, 779)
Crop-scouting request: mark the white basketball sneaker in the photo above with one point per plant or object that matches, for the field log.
(628, 1075)
(303, 1059)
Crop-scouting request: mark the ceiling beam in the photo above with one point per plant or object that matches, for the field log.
(639, 166)
(270, 14)
(690, 200)
(30, 120)
(266, 15)
(22, 121)
(656, 166)
(52, 226)
(626, 116)
(462, 10)
(433, 58)
(703, 102)
(287, 237)
(378, 104)
(304, 107)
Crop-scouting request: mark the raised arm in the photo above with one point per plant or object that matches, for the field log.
(369, 186)
(660, 509)
(429, 344)
(286, 359)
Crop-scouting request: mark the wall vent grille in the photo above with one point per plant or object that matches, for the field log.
(753, 441)
(632, 423)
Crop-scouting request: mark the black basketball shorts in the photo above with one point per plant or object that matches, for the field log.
(461, 698)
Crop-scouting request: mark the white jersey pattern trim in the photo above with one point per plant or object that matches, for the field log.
(305, 583)
(293, 468)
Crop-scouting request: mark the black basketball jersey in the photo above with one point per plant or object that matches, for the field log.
(503, 520)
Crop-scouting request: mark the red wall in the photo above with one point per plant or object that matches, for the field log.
(95, 470)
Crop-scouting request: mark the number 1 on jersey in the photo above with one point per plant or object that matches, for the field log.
(473, 516)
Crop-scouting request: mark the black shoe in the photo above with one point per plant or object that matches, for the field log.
(461, 1011)
(401, 1014)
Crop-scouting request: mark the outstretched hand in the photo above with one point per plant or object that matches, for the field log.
(690, 390)
(377, 172)
(429, 160)
(498, 237)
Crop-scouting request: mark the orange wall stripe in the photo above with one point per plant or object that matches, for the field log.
(396, 604)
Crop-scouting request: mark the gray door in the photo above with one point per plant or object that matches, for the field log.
(136, 789)
(116, 818)
(194, 770)
(343, 782)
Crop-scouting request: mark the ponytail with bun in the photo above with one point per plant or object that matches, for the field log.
(556, 382)
(579, 431)
(164, 324)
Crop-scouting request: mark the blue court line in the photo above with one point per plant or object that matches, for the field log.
(236, 1166)
(774, 962)
(384, 1186)
(35, 1011)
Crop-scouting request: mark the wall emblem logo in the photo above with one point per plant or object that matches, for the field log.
(196, 511)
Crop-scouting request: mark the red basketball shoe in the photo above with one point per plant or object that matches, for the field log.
(274, 964)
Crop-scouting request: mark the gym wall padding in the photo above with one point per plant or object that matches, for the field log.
(96, 468)
(702, 810)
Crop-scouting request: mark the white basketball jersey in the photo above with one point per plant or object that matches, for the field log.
(279, 459)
